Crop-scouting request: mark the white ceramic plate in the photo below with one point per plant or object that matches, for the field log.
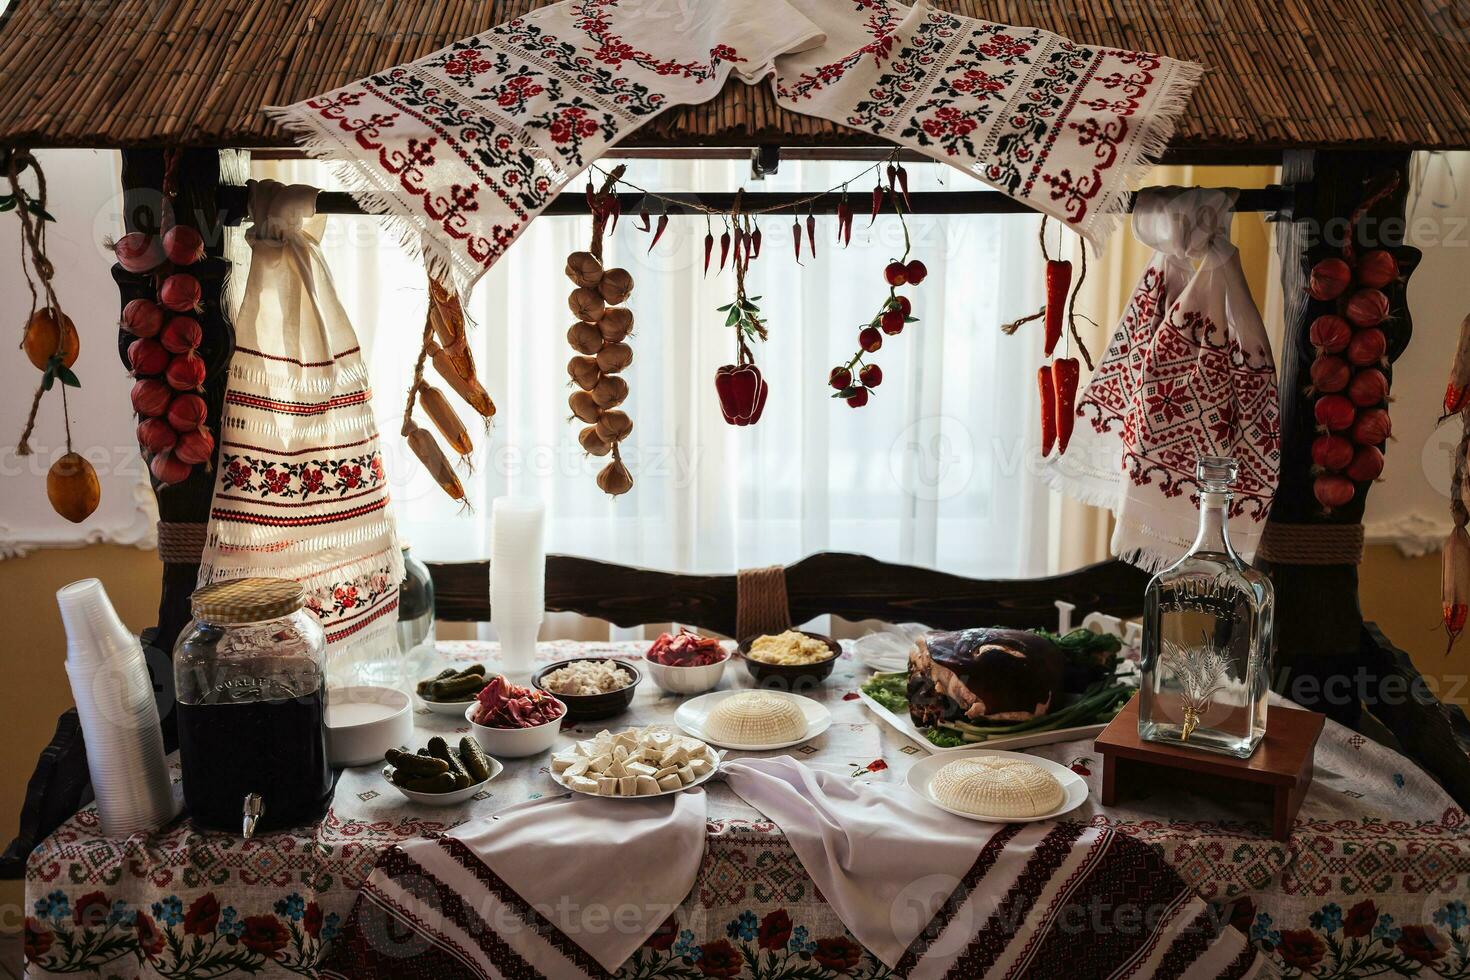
(446, 707)
(556, 778)
(453, 796)
(691, 716)
(1074, 787)
(905, 726)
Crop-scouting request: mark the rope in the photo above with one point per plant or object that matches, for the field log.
(181, 543)
(1311, 544)
(760, 602)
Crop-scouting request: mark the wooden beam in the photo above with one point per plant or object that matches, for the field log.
(1276, 199)
(854, 587)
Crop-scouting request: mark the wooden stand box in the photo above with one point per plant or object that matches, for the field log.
(1278, 773)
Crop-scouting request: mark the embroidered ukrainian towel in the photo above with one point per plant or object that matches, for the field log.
(464, 147)
(934, 895)
(300, 492)
(568, 886)
(1188, 373)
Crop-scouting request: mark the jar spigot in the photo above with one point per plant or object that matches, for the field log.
(253, 810)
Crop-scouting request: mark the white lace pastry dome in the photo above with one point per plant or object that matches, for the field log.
(756, 718)
(996, 787)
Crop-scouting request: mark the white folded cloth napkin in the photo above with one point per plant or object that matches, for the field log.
(558, 887)
(935, 895)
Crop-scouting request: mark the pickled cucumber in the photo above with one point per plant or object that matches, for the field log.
(416, 765)
(457, 688)
(423, 685)
(471, 669)
(439, 749)
(474, 760)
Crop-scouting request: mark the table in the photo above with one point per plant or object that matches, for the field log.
(1375, 875)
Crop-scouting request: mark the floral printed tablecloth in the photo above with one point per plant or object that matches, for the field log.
(1374, 880)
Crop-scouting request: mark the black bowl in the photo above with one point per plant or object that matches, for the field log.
(790, 677)
(589, 707)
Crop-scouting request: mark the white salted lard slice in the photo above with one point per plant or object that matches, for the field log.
(600, 763)
(578, 768)
(561, 763)
(628, 786)
(700, 766)
(607, 786)
(582, 784)
(615, 769)
(686, 775)
(756, 718)
(671, 781)
(665, 771)
(674, 756)
(620, 752)
(640, 769)
(647, 785)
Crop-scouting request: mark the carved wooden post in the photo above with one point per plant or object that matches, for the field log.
(184, 509)
(1318, 620)
(1331, 660)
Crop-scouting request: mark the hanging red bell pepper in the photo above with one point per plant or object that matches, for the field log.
(1065, 373)
(1058, 280)
(742, 393)
(1048, 409)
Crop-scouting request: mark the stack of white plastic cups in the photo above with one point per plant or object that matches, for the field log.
(118, 713)
(517, 580)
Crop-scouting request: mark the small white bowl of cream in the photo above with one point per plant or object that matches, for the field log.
(364, 722)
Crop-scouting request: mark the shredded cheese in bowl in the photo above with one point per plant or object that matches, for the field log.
(585, 677)
(789, 649)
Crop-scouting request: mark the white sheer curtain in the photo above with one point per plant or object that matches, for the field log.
(937, 470)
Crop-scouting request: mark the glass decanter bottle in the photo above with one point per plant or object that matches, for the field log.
(1206, 659)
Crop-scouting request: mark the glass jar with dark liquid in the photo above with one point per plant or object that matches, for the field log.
(250, 679)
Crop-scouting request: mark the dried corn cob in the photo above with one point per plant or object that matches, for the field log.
(442, 414)
(424, 446)
(458, 371)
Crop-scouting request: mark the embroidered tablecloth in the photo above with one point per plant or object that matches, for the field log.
(1375, 877)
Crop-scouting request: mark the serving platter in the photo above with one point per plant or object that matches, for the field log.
(1074, 787)
(905, 726)
(699, 781)
(445, 707)
(691, 715)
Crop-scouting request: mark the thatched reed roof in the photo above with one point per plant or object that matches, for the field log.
(1385, 73)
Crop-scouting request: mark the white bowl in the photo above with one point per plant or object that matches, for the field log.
(686, 680)
(515, 743)
(447, 707)
(365, 722)
(453, 796)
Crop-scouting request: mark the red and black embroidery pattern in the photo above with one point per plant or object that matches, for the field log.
(310, 479)
(966, 95)
(1198, 386)
(880, 21)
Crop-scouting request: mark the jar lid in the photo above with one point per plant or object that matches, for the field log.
(247, 600)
